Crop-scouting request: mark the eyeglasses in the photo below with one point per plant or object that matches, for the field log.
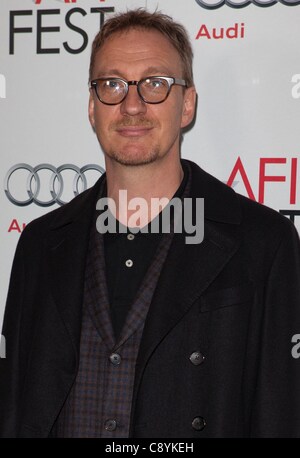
(154, 89)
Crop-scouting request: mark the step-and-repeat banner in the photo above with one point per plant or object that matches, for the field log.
(247, 129)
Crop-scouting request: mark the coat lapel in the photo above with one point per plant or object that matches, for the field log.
(67, 252)
(97, 300)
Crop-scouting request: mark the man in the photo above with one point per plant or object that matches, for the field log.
(136, 334)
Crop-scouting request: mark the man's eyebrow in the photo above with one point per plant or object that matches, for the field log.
(109, 72)
(157, 71)
(150, 71)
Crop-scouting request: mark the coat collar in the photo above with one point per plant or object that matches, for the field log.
(221, 202)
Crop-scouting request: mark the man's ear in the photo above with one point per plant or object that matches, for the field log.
(189, 106)
(91, 110)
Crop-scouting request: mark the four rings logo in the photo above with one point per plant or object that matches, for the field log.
(214, 4)
(56, 183)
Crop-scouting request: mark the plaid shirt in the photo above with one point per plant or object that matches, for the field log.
(99, 403)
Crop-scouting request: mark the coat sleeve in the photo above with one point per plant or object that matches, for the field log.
(276, 406)
(10, 366)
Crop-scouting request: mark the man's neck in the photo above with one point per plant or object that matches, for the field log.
(158, 180)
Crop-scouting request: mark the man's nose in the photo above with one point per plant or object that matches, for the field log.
(133, 104)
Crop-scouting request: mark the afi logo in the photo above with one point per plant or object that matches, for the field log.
(38, 2)
(214, 4)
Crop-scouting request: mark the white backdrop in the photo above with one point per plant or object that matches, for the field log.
(247, 73)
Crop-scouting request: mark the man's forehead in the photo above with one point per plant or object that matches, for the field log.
(136, 40)
(150, 48)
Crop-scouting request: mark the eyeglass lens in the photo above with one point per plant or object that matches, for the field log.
(113, 91)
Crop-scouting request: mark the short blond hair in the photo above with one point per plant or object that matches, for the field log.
(143, 19)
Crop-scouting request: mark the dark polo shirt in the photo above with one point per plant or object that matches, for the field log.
(128, 256)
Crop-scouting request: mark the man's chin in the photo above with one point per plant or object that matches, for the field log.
(136, 159)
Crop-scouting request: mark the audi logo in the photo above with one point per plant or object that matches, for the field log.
(214, 4)
(56, 182)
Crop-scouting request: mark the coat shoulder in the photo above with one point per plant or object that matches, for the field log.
(263, 220)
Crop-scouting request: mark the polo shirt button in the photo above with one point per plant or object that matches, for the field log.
(129, 263)
(196, 358)
(110, 425)
(130, 236)
(115, 359)
(198, 423)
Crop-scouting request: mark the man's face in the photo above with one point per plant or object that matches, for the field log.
(134, 132)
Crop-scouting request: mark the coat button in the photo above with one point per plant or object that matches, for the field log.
(115, 359)
(110, 425)
(129, 263)
(197, 358)
(198, 423)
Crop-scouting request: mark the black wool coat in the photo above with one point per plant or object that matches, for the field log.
(216, 355)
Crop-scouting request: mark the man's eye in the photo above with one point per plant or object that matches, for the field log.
(156, 84)
(112, 84)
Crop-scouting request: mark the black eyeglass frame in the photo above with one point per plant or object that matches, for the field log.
(169, 79)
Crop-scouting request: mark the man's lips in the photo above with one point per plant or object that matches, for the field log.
(133, 131)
